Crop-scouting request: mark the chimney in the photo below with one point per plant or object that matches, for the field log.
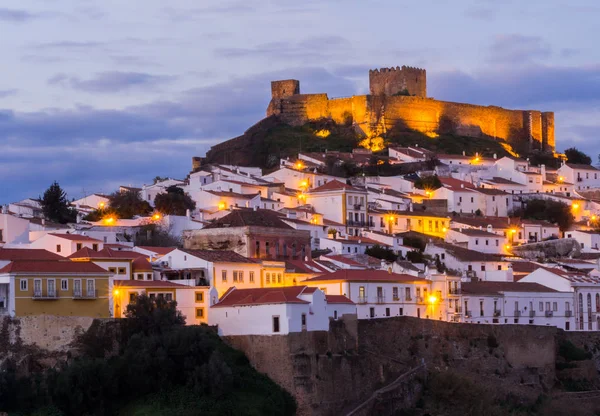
(462, 185)
(43, 221)
(543, 172)
(495, 156)
(255, 207)
(188, 213)
(464, 153)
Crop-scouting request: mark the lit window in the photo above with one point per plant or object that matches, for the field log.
(64, 284)
(199, 297)
(199, 312)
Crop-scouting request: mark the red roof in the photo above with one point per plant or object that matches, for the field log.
(335, 185)
(158, 250)
(75, 237)
(27, 254)
(141, 264)
(342, 259)
(338, 299)
(264, 296)
(456, 184)
(366, 276)
(150, 284)
(40, 266)
(106, 253)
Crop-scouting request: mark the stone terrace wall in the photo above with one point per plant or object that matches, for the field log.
(332, 372)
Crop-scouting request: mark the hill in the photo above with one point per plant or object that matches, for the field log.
(271, 139)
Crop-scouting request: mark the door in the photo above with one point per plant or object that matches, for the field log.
(77, 288)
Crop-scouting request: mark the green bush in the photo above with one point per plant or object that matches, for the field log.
(570, 352)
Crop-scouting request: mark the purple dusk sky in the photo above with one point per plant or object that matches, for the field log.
(100, 93)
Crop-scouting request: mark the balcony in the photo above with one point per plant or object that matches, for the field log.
(380, 299)
(354, 223)
(408, 299)
(458, 311)
(568, 314)
(362, 299)
(549, 314)
(517, 314)
(395, 298)
(468, 314)
(49, 295)
(497, 313)
(420, 299)
(532, 314)
(358, 207)
(90, 294)
(454, 292)
(579, 179)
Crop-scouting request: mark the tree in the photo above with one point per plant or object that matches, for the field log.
(56, 207)
(576, 156)
(383, 253)
(549, 210)
(430, 183)
(153, 235)
(174, 202)
(127, 204)
(154, 315)
(158, 179)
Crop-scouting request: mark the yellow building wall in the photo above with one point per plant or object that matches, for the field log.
(65, 304)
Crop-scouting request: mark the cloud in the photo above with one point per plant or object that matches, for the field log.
(97, 149)
(518, 49)
(8, 93)
(111, 81)
(310, 49)
(13, 15)
(481, 13)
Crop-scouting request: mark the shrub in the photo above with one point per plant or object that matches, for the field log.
(570, 352)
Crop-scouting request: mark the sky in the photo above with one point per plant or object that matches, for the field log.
(97, 94)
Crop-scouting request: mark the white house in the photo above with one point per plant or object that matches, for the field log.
(381, 294)
(276, 311)
(497, 202)
(589, 240)
(66, 244)
(585, 290)
(410, 154)
(13, 230)
(349, 245)
(149, 192)
(583, 176)
(517, 303)
(478, 240)
(461, 196)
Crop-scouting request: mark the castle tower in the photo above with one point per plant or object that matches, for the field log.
(284, 88)
(395, 81)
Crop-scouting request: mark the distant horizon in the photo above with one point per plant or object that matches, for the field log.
(99, 95)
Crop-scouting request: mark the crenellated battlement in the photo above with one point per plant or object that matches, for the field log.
(397, 69)
(399, 80)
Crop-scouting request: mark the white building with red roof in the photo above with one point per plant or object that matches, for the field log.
(349, 245)
(66, 244)
(381, 294)
(277, 311)
(461, 196)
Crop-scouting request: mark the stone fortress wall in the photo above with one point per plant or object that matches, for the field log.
(384, 108)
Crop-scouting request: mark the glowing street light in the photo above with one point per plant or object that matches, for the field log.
(575, 205)
(221, 206)
(432, 299)
(156, 217)
(109, 220)
(101, 205)
(304, 184)
(561, 179)
(116, 292)
(299, 165)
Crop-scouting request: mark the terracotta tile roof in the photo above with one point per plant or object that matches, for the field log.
(457, 185)
(44, 267)
(228, 194)
(301, 266)
(580, 166)
(27, 254)
(141, 264)
(158, 250)
(150, 284)
(335, 185)
(264, 296)
(342, 259)
(338, 299)
(475, 232)
(75, 237)
(219, 256)
(502, 181)
(105, 253)
(524, 266)
(495, 222)
(497, 287)
(574, 277)
(490, 191)
(365, 276)
(464, 254)
(249, 218)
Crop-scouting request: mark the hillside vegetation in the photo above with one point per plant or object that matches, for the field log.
(268, 141)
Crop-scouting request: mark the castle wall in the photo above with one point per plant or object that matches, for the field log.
(548, 141)
(285, 88)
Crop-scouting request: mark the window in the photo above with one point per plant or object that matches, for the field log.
(497, 243)
(268, 278)
(64, 284)
(555, 306)
(199, 312)
(407, 293)
(387, 311)
(112, 270)
(37, 287)
(278, 277)
(372, 312)
(121, 270)
(361, 292)
(443, 256)
(335, 315)
(499, 267)
(132, 297)
(241, 276)
(276, 324)
(480, 308)
(548, 306)
(483, 267)
(395, 293)
(476, 241)
(224, 275)
(77, 287)
(401, 311)
(470, 267)
(235, 276)
(303, 321)
(199, 297)
(169, 297)
(140, 276)
(257, 249)
(149, 276)
(23, 284)
(1, 236)
(58, 248)
(79, 246)
(251, 277)
(91, 287)
(95, 247)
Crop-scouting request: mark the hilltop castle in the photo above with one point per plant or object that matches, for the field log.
(399, 96)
